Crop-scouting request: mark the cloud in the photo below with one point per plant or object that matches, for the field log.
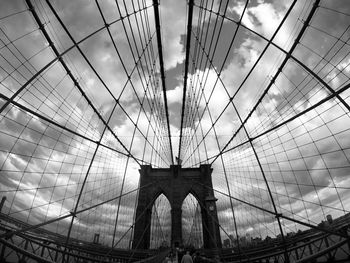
(304, 171)
(175, 95)
(43, 167)
(172, 16)
(42, 174)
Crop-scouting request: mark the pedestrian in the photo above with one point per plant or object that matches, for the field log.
(217, 259)
(166, 260)
(197, 258)
(187, 258)
(180, 254)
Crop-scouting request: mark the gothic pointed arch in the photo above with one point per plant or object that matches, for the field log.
(192, 229)
(160, 222)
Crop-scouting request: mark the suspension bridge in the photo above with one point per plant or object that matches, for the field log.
(135, 130)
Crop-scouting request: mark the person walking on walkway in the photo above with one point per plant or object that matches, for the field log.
(187, 258)
(167, 260)
(197, 258)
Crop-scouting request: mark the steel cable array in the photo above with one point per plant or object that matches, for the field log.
(82, 106)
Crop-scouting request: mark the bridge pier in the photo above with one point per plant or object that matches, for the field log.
(176, 226)
(176, 183)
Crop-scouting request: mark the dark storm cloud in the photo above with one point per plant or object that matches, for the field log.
(37, 154)
(211, 44)
(173, 76)
(248, 220)
(311, 173)
(82, 18)
(34, 151)
(36, 138)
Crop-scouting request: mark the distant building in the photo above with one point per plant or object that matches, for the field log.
(227, 243)
(248, 238)
(329, 219)
(328, 222)
(96, 238)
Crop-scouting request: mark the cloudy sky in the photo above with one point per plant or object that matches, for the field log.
(105, 116)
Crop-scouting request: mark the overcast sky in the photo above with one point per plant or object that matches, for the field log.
(306, 161)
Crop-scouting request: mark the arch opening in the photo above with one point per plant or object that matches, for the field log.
(192, 232)
(160, 223)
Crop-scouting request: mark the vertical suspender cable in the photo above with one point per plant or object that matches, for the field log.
(162, 73)
(188, 44)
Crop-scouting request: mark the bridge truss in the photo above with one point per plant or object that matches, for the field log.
(87, 96)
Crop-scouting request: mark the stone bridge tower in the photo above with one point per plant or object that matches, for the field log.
(176, 183)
